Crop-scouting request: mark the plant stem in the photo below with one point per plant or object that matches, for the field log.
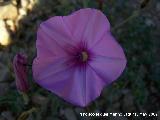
(135, 14)
(25, 98)
(100, 4)
(24, 115)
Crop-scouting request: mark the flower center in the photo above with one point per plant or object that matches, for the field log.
(84, 56)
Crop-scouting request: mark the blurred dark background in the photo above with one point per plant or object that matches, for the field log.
(137, 90)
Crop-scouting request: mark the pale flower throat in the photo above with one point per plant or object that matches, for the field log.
(84, 56)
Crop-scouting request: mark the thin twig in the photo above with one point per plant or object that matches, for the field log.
(135, 14)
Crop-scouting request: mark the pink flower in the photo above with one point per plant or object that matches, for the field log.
(77, 56)
(20, 69)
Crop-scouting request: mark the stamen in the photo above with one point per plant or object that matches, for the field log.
(84, 56)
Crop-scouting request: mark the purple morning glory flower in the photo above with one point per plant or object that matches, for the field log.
(77, 56)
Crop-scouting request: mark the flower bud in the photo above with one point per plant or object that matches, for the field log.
(20, 69)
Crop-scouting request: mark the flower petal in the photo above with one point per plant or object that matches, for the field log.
(44, 68)
(87, 25)
(69, 84)
(46, 46)
(108, 47)
(94, 85)
(53, 36)
(109, 69)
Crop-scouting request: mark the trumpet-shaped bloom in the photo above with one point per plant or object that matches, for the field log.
(77, 56)
(20, 69)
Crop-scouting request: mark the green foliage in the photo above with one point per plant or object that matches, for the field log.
(13, 101)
